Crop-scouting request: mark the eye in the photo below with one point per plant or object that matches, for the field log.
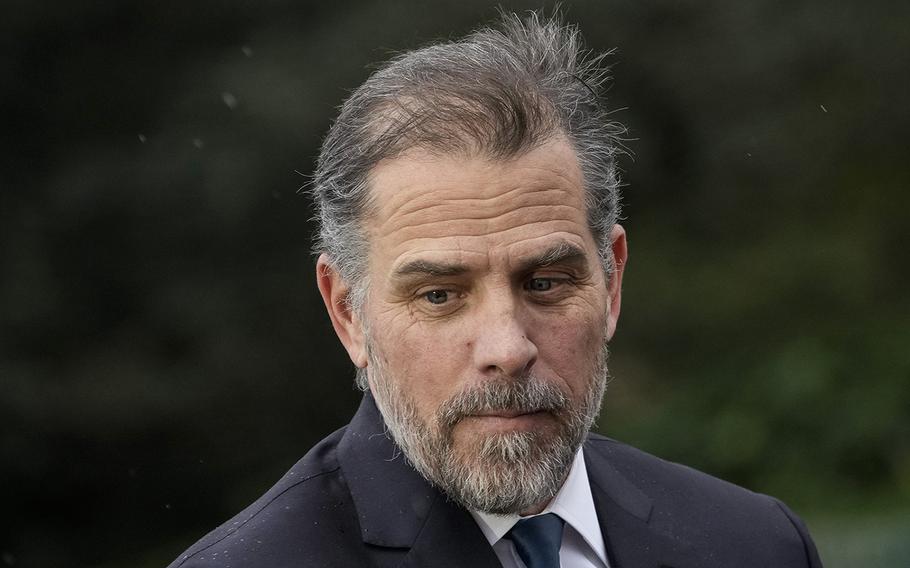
(539, 284)
(437, 296)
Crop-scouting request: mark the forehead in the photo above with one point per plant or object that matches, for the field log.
(475, 207)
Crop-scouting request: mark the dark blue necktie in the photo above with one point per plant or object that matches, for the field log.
(537, 540)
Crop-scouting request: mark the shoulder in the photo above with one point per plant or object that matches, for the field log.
(661, 479)
(708, 512)
(303, 517)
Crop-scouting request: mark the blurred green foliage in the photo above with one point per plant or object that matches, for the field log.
(163, 352)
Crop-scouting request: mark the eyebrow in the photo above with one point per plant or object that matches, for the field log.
(563, 252)
(429, 268)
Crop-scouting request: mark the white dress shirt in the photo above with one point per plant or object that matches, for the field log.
(582, 541)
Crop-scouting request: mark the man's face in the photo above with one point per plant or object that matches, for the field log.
(486, 319)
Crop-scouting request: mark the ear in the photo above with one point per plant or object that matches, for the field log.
(335, 292)
(614, 286)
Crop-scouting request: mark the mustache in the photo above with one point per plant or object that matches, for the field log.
(524, 395)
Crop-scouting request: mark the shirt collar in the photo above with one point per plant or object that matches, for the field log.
(574, 503)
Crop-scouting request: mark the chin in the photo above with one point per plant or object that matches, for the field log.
(507, 471)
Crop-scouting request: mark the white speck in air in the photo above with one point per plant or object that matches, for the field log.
(824, 110)
(142, 138)
(198, 143)
(229, 99)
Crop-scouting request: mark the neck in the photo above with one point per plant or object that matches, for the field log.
(536, 509)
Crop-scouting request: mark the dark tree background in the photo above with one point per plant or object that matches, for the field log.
(164, 356)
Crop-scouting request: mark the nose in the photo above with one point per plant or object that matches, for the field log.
(502, 344)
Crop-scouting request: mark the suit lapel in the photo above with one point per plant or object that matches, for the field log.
(624, 513)
(450, 534)
(397, 508)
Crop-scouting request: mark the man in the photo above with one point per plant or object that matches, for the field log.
(471, 265)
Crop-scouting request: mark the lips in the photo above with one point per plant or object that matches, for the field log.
(505, 413)
(527, 399)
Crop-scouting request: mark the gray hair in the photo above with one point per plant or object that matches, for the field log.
(500, 92)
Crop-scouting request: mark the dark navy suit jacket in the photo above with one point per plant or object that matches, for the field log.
(353, 501)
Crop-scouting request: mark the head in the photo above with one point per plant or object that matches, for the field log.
(470, 258)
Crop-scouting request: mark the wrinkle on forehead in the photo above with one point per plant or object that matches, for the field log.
(549, 218)
(464, 183)
(433, 204)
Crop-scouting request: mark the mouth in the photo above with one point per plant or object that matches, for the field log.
(508, 419)
(506, 413)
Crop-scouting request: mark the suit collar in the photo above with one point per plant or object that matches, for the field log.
(625, 515)
(391, 498)
(396, 507)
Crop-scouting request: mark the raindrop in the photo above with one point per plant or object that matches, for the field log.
(824, 110)
(229, 99)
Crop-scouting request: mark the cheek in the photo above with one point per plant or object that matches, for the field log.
(569, 347)
(424, 362)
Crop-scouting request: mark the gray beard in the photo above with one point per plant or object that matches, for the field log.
(499, 473)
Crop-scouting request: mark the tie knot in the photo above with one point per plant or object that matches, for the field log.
(537, 540)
